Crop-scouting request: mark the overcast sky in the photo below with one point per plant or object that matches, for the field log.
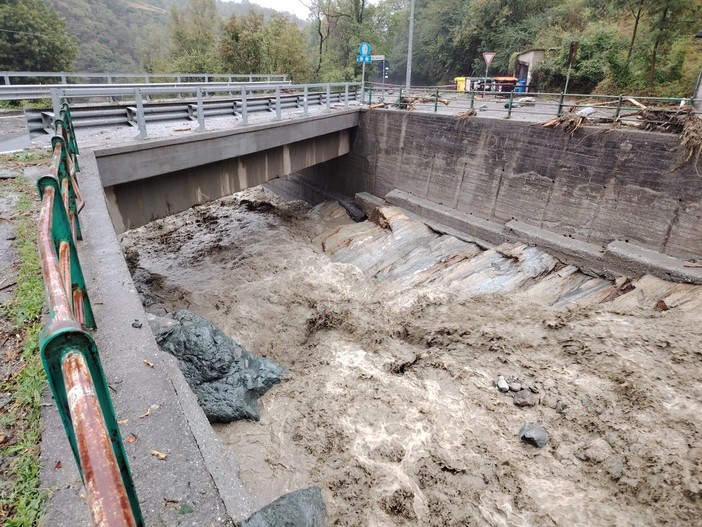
(291, 6)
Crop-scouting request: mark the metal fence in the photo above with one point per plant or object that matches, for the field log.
(68, 351)
(205, 101)
(533, 107)
(28, 92)
(44, 77)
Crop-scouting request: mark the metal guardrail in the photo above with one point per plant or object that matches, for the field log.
(110, 78)
(206, 102)
(524, 106)
(69, 353)
(28, 92)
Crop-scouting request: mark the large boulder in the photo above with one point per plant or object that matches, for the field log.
(302, 508)
(225, 377)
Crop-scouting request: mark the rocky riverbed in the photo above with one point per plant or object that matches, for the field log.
(398, 343)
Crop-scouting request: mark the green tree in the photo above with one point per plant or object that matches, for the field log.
(34, 38)
(285, 49)
(241, 43)
(194, 36)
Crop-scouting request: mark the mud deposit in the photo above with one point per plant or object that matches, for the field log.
(389, 404)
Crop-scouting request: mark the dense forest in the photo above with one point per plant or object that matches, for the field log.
(632, 46)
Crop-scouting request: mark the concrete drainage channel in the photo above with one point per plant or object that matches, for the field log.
(382, 349)
(398, 342)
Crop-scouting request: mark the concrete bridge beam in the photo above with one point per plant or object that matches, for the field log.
(151, 180)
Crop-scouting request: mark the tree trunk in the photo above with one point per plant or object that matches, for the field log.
(636, 28)
(659, 37)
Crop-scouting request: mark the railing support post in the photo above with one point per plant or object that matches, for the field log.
(436, 101)
(56, 103)
(244, 109)
(304, 101)
(346, 95)
(560, 104)
(509, 105)
(141, 121)
(328, 97)
(277, 104)
(200, 112)
(619, 107)
(472, 99)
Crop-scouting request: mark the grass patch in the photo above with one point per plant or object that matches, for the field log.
(21, 497)
(23, 158)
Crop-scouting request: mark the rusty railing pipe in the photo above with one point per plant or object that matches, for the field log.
(109, 505)
(58, 299)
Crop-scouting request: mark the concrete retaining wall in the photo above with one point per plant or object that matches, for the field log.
(598, 186)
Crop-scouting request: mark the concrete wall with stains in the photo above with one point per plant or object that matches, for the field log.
(598, 186)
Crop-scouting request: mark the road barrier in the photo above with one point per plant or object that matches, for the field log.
(205, 101)
(27, 92)
(40, 77)
(68, 351)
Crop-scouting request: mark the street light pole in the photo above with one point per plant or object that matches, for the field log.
(409, 46)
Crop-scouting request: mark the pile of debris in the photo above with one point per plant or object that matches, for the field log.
(409, 103)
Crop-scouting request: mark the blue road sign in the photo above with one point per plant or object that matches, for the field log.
(364, 49)
(362, 58)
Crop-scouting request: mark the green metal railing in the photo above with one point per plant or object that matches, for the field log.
(68, 351)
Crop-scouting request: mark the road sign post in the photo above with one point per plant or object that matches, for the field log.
(364, 50)
(487, 57)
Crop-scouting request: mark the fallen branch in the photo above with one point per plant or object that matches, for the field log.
(569, 121)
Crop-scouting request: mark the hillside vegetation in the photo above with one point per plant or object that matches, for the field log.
(626, 46)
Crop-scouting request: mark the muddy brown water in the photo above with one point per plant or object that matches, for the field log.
(389, 403)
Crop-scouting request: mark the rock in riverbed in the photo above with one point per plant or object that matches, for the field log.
(225, 377)
(302, 508)
(534, 435)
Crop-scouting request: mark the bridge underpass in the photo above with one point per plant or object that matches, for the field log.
(431, 364)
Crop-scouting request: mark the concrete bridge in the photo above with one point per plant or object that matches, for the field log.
(154, 179)
(614, 202)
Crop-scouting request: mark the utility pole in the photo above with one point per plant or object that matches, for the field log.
(409, 46)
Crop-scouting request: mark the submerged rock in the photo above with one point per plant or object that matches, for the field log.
(225, 377)
(302, 508)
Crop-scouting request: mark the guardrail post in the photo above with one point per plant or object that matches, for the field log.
(560, 104)
(436, 101)
(328, 97)
(472, 99)
(277, 104)
(370, 95)
(619, 107)
(399, 100)
(146, 79)
(200, 112)
(63, 78)
(141, 121)
(251, 78)
(509, 105)
(55, 102)
(346, 95)
(304, 100)
(7, 79)
(244, 109)
(178, 78)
